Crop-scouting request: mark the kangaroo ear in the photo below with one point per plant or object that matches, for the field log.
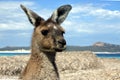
(61, 13)
(32, 16)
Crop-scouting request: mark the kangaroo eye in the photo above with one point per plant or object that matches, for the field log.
(44, 32)
(63, 32)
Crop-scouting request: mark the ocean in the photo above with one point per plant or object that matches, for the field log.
(101, 55)
(13, 54)
(109, 56)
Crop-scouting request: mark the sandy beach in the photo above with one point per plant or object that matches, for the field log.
(71, 65)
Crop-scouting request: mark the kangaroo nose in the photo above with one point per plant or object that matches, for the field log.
(62, 41)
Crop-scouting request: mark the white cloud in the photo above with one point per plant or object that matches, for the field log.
(85, 31)
(82, 8)
(12, 16)
(91, 27)
(68, 23)
(25, 34)
(11, 5)
(77, 27)
(91, 10)
(15, 26)
(102, 13)
(91, 19)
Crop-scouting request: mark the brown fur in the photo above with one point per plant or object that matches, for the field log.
(47, 39)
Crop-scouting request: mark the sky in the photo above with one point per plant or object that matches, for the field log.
(88, 22)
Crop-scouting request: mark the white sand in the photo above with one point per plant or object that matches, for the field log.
(71, 66)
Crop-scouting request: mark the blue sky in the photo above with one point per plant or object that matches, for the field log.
(89, 21)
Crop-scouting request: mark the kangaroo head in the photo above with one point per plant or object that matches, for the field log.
(48, 34)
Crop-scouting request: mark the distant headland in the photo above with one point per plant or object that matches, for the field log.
(96, 47)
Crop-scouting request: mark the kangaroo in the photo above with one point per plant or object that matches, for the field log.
(47, 39)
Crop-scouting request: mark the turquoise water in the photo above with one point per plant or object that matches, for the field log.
(109, 55)
(101, 55)
(12, 54)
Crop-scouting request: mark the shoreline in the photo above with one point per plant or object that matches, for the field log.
(28, 51)
(16, 51)
(106, 52)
